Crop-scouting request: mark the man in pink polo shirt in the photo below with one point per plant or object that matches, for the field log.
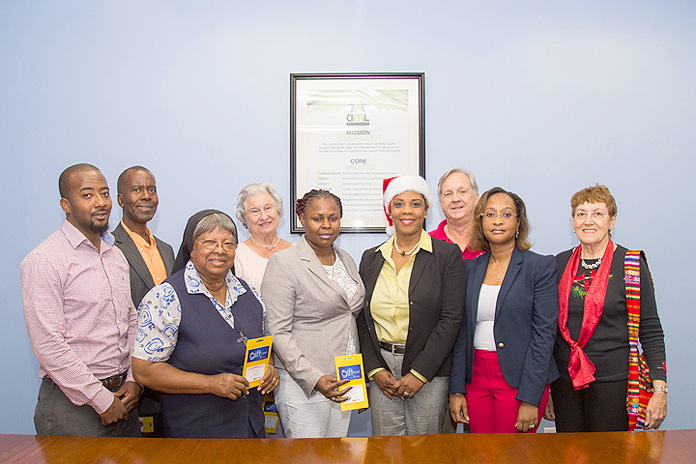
(80, 317)
(458, 193)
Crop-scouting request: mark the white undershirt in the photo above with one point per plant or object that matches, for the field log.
(485, 317)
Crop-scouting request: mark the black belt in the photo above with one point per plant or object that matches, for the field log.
(393, 348)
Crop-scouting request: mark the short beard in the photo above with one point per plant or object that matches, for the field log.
(97, 229)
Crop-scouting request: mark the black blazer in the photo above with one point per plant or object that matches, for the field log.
(526, 322)
(140, 277)
(436, 296)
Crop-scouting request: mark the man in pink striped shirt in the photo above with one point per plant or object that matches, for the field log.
(80, 317)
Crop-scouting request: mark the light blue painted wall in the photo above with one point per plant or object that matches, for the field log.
(541, 97)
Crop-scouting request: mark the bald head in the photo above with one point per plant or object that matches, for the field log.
(64, 179)
(122, 184)
(137, 195)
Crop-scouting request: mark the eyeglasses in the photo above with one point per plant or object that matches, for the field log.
(505, 215)
(211, 245)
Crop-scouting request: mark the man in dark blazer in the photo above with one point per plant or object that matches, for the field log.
(137, 195)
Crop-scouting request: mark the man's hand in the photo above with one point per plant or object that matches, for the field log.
(329, 386)
(129, 394)
(386, 382)
(409, 385)
(116, 412)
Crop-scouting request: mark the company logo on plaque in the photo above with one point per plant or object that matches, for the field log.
(357, 115)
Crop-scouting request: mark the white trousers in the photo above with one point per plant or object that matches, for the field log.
(308, 417)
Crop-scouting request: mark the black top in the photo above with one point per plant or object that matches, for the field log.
(608, 347)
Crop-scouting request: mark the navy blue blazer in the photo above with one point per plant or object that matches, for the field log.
(525, 326)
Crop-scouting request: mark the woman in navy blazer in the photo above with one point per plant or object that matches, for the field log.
(502, 361)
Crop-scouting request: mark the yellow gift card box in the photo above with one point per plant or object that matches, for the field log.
(258, 353)
(351, 368)
(147, 424)
(270, 414)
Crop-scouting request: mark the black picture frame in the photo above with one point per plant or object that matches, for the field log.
(352, 166)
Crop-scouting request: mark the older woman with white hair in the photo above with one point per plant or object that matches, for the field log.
(259, 209)
(414, 305)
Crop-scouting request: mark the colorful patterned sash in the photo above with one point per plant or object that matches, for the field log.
(639, 383)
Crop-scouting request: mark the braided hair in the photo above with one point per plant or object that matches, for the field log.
(315, 194)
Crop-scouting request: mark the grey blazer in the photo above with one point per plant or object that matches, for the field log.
(140, 278)
(308, 315)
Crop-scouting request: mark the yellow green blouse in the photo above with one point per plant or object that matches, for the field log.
(389, 305)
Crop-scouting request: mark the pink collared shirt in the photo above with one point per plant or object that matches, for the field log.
(79, 313)
(440, 234)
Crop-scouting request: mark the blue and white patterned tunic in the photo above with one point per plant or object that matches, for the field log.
(160, 314)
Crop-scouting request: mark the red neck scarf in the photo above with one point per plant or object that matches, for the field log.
(580, 368)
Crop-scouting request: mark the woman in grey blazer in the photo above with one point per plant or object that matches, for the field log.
(313, 293)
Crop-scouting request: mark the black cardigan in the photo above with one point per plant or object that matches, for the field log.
(608, 346)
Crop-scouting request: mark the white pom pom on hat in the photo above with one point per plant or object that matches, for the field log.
(396, 185)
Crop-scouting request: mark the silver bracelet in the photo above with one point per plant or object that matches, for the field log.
(659, 389)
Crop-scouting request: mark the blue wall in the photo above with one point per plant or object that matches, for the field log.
(541, 97)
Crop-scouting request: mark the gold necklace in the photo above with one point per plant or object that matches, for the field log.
(490, 265)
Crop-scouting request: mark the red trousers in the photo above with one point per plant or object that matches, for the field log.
(491, 401)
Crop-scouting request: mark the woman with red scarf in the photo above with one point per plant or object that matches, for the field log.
(592, 346)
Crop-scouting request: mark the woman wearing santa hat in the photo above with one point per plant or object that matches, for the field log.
(414, 305)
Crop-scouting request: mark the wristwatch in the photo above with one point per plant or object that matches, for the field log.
(660, 389)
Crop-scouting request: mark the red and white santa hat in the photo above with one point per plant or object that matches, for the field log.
(396, 185)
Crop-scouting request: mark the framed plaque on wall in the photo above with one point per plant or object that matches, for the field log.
(349, 132)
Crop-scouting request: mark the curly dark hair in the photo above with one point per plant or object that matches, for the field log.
(315, 194)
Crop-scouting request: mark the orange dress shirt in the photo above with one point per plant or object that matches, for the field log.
(150, 253)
